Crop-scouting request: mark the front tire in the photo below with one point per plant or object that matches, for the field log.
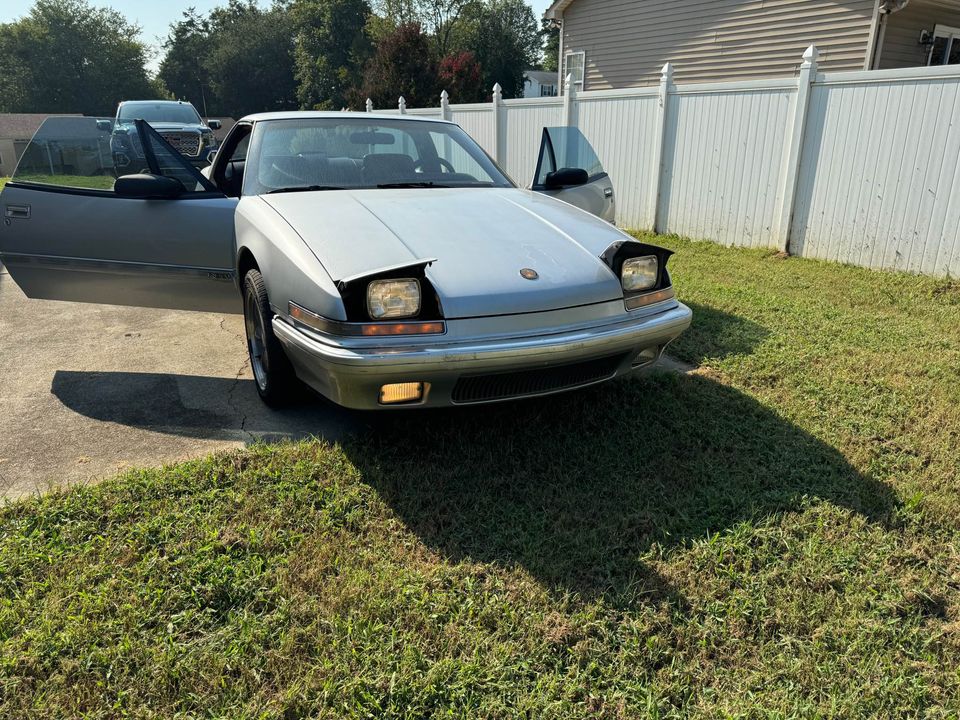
(273, 374)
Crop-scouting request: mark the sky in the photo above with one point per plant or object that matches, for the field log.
(155, 16)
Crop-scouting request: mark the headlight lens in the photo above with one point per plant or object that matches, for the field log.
(393, 298)
(639, 273)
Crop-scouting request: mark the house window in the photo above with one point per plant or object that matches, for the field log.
(573, 64)
(946, 46)
(548, 91)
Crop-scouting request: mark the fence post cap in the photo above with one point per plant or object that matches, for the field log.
(667, 70)
(369, 105)
(811, 54)
(444, 95)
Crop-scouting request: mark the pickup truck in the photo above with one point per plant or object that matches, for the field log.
(176, 121)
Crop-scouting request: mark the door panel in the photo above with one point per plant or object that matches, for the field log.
(65, 235)
(566, 147)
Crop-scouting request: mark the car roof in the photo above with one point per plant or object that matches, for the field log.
(323, 114)
(156, 102)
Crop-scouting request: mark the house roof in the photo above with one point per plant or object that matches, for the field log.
(542, 77)
(22, 126)
(555, 11)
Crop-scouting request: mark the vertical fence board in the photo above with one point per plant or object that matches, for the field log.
(879, 179)
(724, 152)
(477, 120)
(621, 130)
(523, 127)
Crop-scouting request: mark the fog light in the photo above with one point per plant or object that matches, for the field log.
(401, 393)
(646, 357)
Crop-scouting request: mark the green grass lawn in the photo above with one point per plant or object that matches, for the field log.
(3, 181)
(89, 182)
(775, 535)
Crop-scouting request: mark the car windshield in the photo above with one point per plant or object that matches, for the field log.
(353, 153)
(160, 112)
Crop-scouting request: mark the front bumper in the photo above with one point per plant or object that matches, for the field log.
(352, 376)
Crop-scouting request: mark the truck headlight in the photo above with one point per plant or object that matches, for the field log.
(393, 298)
(639, 273)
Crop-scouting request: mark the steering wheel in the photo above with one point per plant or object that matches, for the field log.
(444, 164)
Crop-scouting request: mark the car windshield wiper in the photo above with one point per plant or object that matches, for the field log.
(306, 188)
(421, 184)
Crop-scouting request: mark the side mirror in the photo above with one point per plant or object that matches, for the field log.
(565, 177)
(214, 124)
(148, 187)
(211, 156)
(105, 125)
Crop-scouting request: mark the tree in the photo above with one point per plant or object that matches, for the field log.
(66, 56)
(461, 76)
(251, 65)
(401, 65)
(442, 18)
(550, 32)
(506, 39)
(331, 49)
(184, 68)
(235, 61)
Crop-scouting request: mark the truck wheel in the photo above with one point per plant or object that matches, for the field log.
(272, 372)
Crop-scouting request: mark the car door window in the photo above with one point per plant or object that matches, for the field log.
(454, 158)
(230, 164)
(566, 147)
(88, 154)
(71, 152)
(164, 160)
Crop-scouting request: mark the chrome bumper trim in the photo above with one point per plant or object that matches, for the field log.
(591, 341)
(351, 376)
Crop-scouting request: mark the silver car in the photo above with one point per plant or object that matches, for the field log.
(385, 261)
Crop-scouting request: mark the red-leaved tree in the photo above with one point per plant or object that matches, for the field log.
(401, 65)
(462, 77)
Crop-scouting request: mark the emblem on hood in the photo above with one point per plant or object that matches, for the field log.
(529, 274)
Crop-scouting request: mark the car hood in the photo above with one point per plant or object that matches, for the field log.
(480, 239)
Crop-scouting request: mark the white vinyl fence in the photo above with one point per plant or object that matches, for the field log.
(856, 167)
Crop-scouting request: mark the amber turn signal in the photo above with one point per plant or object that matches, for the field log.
(407, 328)
(637, 301)
(396, 393)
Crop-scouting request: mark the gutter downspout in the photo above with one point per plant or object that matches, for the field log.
(872, 40)
(559, 22)
(886, 8)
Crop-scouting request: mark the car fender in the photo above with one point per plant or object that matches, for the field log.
(291, 271)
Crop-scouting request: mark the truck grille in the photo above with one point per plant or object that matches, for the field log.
(185, 143)
(484, 388)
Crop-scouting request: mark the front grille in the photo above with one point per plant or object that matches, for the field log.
(484, 388)
(185, 143)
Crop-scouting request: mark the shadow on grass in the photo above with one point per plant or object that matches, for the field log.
(576, 488)
(716, 334)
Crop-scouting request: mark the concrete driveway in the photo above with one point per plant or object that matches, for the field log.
(87, 390)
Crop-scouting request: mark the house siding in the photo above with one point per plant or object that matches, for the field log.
(626, 42)
(901, 42)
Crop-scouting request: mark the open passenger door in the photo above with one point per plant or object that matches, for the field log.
(569, 169)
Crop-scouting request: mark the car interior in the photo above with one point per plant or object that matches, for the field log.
(338, 166)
